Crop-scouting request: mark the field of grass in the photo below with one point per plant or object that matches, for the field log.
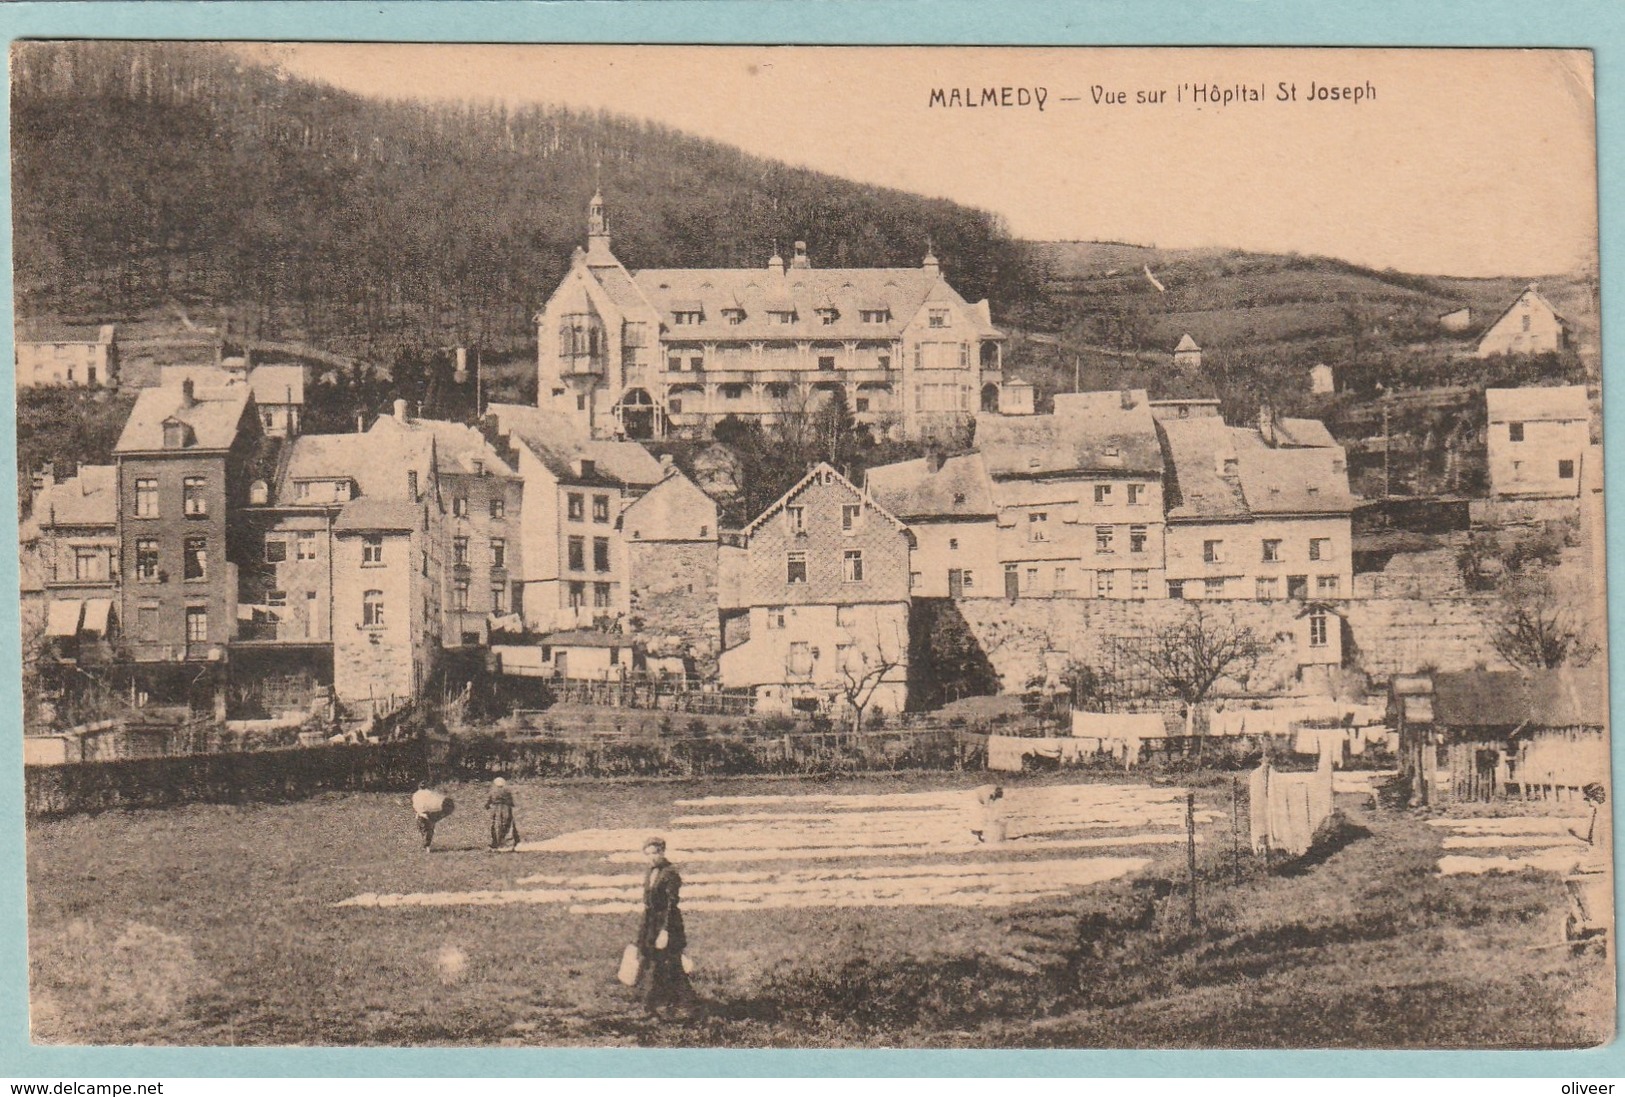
(216, 925)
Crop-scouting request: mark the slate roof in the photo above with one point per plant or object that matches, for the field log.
(803, 290)
(1267, 480)
(89, 498)
(457, 446)
(1303, 433)
(214, 418)
(379, 515)
(819, 471)
(584, 638)
(1197, 486)
(51, 331)
(912, 490)
(560, 444)
(378, 463)
(1537, 404)
(1080, 437)
(1566, 697)
(1277, 480)
(277, 384)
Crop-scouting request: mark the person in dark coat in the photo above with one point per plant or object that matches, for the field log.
(504, 831)
(661, 939)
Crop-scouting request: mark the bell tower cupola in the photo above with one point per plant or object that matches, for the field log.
(597, 228)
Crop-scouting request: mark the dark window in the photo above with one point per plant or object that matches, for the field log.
(600, 554)
(276, 550)
(1565, 470)
(796, 568)
(196, 558)
(600, 508)
(576, 506)
(1515, 432)
(195, 504)
(600, 595)
(146, 561)
(578, 554)
(499, 508)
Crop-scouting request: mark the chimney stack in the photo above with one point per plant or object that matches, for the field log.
(1126, 397)
(400, 412)
(1266, 423)
(188, 394)
(360, 423)
(801, 262)
(775, 264)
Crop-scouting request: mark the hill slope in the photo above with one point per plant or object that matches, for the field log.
(151, 174)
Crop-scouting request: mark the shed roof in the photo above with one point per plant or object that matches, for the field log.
(585, 638)
(379, 515)
(1565, 697)
(913, 489)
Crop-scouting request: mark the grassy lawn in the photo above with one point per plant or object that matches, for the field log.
(216, 925)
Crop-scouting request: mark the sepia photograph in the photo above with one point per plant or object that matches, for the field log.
(811, 546)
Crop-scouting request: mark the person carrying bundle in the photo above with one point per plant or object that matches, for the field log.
(430, 806)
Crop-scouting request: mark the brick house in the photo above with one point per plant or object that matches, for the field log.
(825, 583)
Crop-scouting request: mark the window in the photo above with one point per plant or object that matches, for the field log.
(1038, 526)
(937, 318)
(953, 544)
(1136, 538)
(310, 614)
(1105, 581)
(1213, 552)
(1272, 551)
(276, 550)
(696, 363)
(578, 595)
(197, 624)
(674, 363)
(883, 361)
(1213, 588)
(734, 316)
(969, 579)
(1103, 539)
(874, 316)
(372, 551)
(852, 565)
(1139, 583)
(796, 518)
(600, 554)
(499, 552)
(146, 498)
(89, 564)
(863, 404)
(1268, 590)
(459, 551)
(826, 361)
(192, 500)
(1320, 548)
(372, 609)
(1526, 320)
(799, 659)
(1514, 432)
(600, 508)
(146, 560)
(1176, 588)
(687, 316)
(675, 404)
(423, 558)
(600, 595)
(1136, 495)
(1327, 585)
(1317, 630)
(305, 546)
(146, 622)
(796, 568)
(775, 617)
(196, 558)
(499, 598)
(1032, 579)
(1062, 581)
(412, 485)
(782, 316)
(913, 580)
(459, 594)
(576, 506)
(849, 516)
(1565, 470)
(1103, 495)
(577, 549)
(499, 509)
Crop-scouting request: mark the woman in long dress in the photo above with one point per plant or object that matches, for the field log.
(504, 831)
(661, 938)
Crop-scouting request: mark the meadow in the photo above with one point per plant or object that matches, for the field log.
(293, 924)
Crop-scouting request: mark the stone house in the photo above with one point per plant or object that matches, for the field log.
(1530, 325)
(1079, 497)
(672, 547)
(576, 567)
(73, 535)
(1259, 513)
(640, 354)
(1536, 441)
(948, 505)
(279, 393)
(80, 356)
(825, 584)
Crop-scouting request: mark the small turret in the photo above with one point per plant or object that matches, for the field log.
(597, 228)
(930, 263)
(776, 264)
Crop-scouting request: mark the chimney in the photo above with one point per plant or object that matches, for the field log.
(462, 365)
(930, 263)
(188, 394)
(775, 264)
(934, 458)
(360, 423)
(800, 262)
(1126, 397)
(400, 412)
(1266, 423)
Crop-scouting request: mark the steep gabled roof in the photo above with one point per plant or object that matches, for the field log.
(378, 462)
(1530, 291)
(1276, 480)
(89, 498)
(912, 490)
(559, 443)
(213, 418)
(824, 472)
(1198, 485)
(1089, 432)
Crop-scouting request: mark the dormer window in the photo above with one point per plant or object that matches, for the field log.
(687, 316)
(782, 316)
(588, 467)
(734, 316)
(875, 316)
(177, 435)
(828, 316)
(959, 498)
(1232, 466)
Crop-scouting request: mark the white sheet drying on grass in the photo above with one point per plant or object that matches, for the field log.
(980, 884)
(1511, 844)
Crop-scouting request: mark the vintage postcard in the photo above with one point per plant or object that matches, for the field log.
(813, 547)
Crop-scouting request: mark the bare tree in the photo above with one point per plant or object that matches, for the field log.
(1535, 625)
(1190, 656)
(864, 669)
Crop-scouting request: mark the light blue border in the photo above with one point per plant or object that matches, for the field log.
(1598, 25)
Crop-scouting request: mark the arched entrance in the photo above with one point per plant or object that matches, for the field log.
(990, 397)
(638, 415)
